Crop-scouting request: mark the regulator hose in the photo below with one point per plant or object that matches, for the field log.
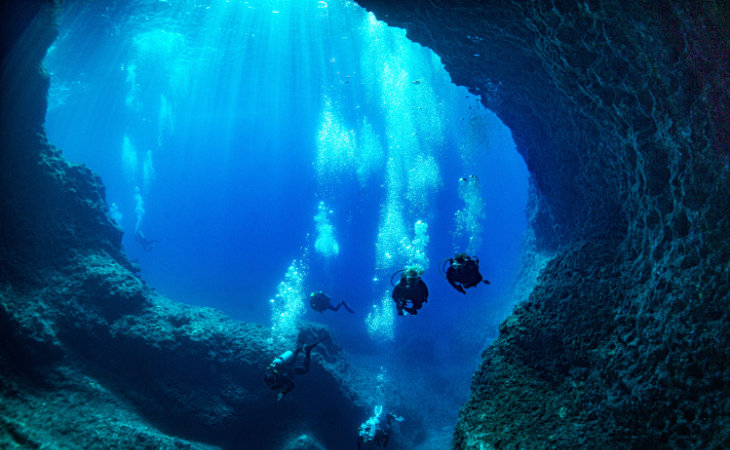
(393, 276)
(441, 266)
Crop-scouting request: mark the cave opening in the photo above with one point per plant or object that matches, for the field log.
(254, 153)
(605, 352)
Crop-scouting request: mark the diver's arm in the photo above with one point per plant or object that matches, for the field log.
(458, 287)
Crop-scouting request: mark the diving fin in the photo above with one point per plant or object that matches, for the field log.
(309, 347)
(347, 307)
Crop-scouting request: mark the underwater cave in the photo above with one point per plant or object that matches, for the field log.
(619, 333)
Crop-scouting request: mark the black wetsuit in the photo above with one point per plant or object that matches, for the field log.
(279, 375)
(375, 432)
(463, 273)
(143, 241)
(321, 302)
(409, 289)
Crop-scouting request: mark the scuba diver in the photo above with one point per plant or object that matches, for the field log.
(472, 178)
(374, 433)
(279, 375)
(409, 288)
(143, 241)
(320, 302)
(463, 272)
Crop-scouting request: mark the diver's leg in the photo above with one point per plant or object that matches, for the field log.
(342, 303)
(307, 353)
(305, 365)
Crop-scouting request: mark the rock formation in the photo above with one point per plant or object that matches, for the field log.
(91, 357)
(621, 111)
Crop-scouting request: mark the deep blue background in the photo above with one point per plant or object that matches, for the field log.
(235, 190)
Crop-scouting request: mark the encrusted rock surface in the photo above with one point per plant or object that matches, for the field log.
(78, 372)
(621, 111)
(91, 357)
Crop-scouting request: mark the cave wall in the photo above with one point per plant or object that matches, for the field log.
(92, 357)
(620, 109)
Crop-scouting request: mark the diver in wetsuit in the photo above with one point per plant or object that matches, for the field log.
(463, 272)
(143, 241)
(411, 289)
(374, 433)
(279, 375)
(320, 302)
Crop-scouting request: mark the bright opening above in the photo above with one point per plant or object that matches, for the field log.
(254, 152)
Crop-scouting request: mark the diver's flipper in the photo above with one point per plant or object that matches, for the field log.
(347, 307)
(486, 282)
(308, 348)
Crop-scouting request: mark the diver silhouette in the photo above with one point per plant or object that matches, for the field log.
(279, 375)
(463, 272)
(321, 302)
(374, 433)
(410, 288)
(143, 241)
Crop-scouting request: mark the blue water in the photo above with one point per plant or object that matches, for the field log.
(220, 127)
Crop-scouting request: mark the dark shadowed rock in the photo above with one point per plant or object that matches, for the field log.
(172, 370)
(620, 110)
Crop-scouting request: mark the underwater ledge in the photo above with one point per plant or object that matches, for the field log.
(621, 113)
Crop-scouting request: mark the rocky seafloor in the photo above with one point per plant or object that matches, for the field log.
(621, 111)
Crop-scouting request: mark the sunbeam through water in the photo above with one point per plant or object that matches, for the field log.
(235, 137)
